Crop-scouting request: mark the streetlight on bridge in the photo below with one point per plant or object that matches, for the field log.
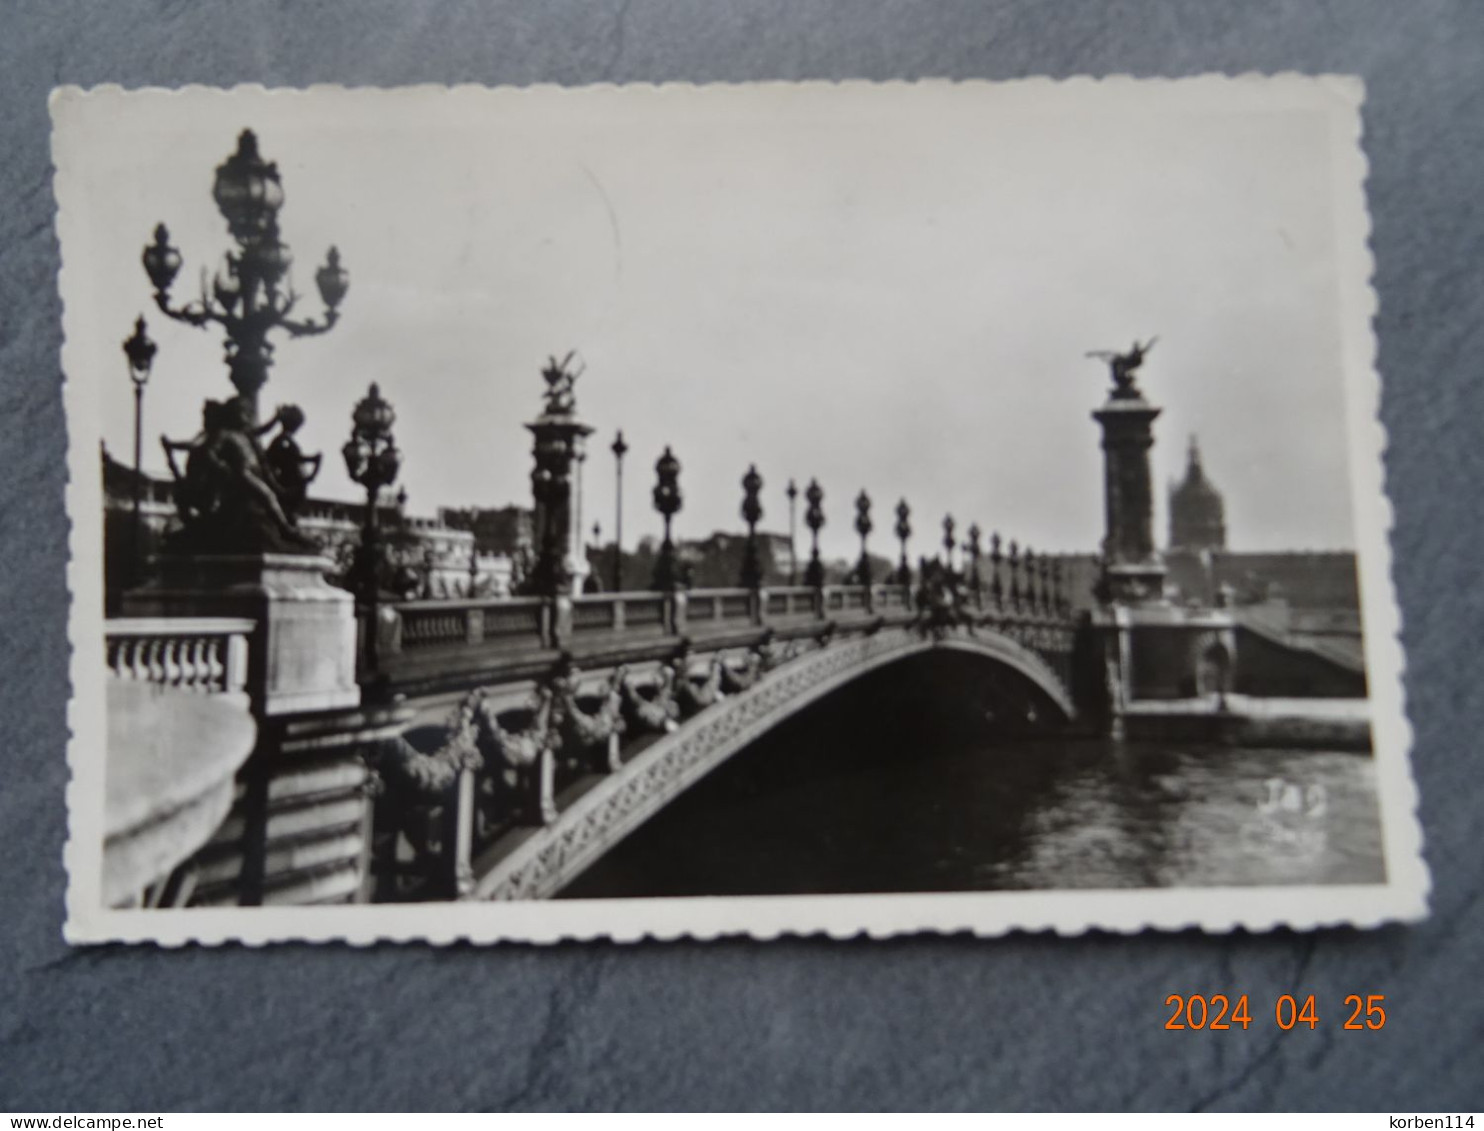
(814, 519)
(140, 350)
(903, 532)
(1013, 560)
(752, 512)
(793, 558)
(250, 298)
(373, 461)
(972, 548)
(667, 500)
(863, 527)
(996, 558)
(619, 449)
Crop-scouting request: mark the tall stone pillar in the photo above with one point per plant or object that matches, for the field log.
(1133, 571)
(561, 566)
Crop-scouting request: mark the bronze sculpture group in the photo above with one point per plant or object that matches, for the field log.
(233, 496)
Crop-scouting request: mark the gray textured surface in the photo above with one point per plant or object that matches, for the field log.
(1029, 1021)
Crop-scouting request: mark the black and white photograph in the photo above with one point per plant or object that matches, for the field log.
(623, 511)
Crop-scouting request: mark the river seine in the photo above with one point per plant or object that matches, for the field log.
(894, 786)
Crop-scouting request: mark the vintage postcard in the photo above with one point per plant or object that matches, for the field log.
(664, 511)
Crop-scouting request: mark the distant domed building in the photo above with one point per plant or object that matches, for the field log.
(1197, 513)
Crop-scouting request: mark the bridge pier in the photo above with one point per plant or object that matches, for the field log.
(1151, 648)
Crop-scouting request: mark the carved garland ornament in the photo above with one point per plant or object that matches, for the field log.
(541, 865)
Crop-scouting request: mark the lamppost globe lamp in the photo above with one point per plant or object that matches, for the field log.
(161, 261)
(863, 527)
(248, 191)
(752, 513)
(373, 416)
(667, 500)
(752, 508)
(814, 520)
(667, 497)
(903, 532)
(332, 280)
(140, 349)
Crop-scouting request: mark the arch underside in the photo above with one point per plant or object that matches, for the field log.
(547, 861)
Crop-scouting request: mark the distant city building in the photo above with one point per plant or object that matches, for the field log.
(496, 530)
(1197, 513)
(715, 562)
(503, 537)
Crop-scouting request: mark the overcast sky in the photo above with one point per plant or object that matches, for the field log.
(890, 288)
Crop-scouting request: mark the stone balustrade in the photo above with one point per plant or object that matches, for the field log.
(443, 635)
(204, 654)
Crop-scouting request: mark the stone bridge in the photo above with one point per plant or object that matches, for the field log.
(540, 732)
(497, 747)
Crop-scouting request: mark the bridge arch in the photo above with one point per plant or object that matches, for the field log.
(547, 861)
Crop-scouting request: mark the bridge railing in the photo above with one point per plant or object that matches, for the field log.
(429, 635)
(462, 623)
(523, 623)
(719, 606)
(205, 654)
(638, 612)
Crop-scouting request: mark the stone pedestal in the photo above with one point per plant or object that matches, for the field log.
(302, 656)
(1133, 571)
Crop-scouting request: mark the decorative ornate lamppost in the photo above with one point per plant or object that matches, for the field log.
(619, 449)
(140, 350)
(752, 513)
(903, 532)
(948, 542)
(863, 527)
(373, 461)
(996, 558)
(250, 298)
(667, 501)
(1014, 563)
(972, 548)
(793, 557)
(1028, 561)
(814, 519)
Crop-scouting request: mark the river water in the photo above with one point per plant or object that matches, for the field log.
(884, 790)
